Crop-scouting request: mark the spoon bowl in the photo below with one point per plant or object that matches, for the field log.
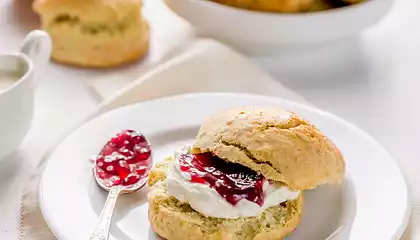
(124, 189)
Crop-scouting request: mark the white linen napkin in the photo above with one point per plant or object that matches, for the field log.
(203, 66)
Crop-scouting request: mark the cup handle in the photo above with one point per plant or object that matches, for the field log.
(37, 46)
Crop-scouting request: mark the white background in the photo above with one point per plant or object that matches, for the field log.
(371, 80)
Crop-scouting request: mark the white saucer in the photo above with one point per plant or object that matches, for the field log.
(71, 201)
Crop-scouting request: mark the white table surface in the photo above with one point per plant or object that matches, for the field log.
(371, 80)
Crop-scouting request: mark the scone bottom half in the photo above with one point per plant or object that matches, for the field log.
(275, 142)
(176, 220)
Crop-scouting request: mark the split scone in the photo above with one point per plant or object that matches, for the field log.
(95, 33)
(243, 177)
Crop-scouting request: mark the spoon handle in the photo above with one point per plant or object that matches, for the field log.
(102, 228)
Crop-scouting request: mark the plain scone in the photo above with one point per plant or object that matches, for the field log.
(275, 142)
(95, 33)
(286, 6)
(174, 220)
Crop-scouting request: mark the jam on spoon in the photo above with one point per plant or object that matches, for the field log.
(122, 166)
(232, 181)
(124, 160)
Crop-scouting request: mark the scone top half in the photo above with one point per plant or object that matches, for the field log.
(274, 142)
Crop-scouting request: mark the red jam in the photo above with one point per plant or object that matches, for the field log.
(124, 160)
(232, 181)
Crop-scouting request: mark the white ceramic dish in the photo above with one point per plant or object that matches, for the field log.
(71, 201)
(259, 32)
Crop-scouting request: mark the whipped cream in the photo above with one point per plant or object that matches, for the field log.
(206, 200)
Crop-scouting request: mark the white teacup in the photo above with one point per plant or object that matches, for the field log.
(17, 87)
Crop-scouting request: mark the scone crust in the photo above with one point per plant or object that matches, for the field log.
(91, 9)
(353, 1)
(174, 220)
(286, 6)
(275, 142)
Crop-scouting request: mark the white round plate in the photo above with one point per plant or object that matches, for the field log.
(71, 201)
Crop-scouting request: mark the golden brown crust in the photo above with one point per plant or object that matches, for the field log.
(89, 9)
(95, 33)
(286, 6)
(353, 1)
(277, 143)
(174, 220)
(321, 5)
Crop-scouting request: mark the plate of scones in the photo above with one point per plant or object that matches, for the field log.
(228, 166)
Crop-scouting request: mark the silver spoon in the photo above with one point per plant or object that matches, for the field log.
(102, 228)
